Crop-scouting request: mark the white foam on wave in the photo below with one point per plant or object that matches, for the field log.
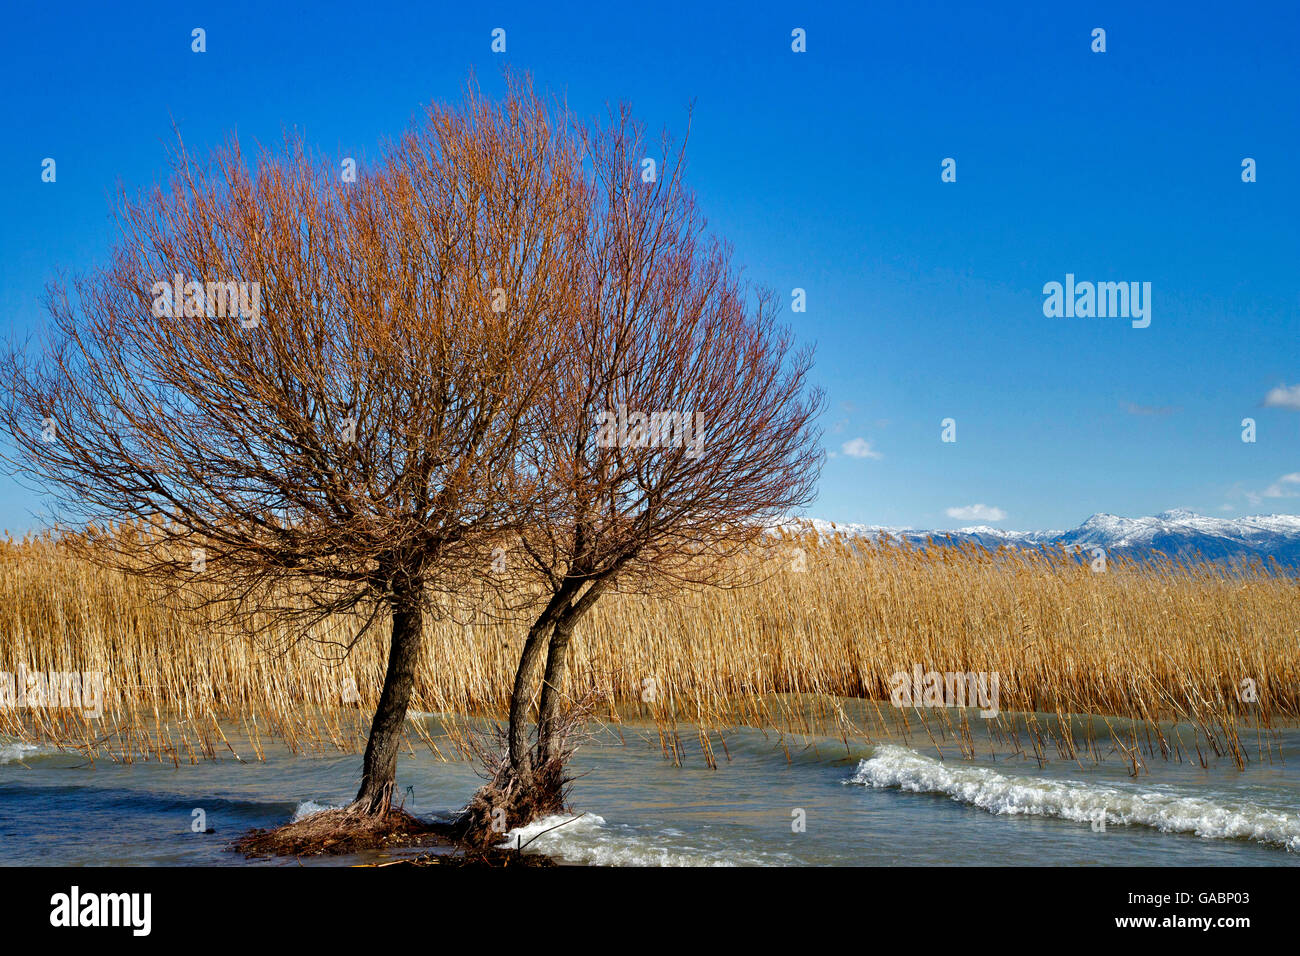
(309, 808)
(905, 769)
(16, 751)
(588, 839)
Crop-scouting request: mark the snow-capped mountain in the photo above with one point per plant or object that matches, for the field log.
(1178, 534)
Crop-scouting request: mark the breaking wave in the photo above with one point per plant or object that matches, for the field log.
(14, 751)
(588, 839)
(309, 808)
(905, 769)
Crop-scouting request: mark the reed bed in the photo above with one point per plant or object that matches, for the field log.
(1137, 661)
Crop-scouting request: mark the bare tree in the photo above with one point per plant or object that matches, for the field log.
(321, 388)
(678, 428)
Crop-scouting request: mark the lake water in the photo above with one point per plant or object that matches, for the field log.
(820, 803)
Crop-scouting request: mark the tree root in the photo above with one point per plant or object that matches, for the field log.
(511, 800)
(336, 832)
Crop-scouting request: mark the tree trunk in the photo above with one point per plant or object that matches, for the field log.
(557, 666)
(525, 675)
(379, 769)
(530, 662)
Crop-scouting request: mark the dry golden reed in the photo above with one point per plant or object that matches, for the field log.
(1159, 653)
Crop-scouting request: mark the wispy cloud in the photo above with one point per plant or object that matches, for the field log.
(1284, 396)
(1288, 486)
(860, 448)
(977, 513)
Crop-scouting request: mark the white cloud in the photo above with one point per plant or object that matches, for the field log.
(977, 513)
(1284, 396)
(860, 448)
(1288, 486)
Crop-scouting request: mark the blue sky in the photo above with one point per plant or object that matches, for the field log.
(924, 298)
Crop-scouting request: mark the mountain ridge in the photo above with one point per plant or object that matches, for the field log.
(1178, 533)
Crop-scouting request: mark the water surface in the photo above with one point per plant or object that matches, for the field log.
(798, 802)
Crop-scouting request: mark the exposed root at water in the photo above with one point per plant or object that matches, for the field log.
(336, 832)
(339, 832)
(514, 797)
(510, 800)
(493, 858)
